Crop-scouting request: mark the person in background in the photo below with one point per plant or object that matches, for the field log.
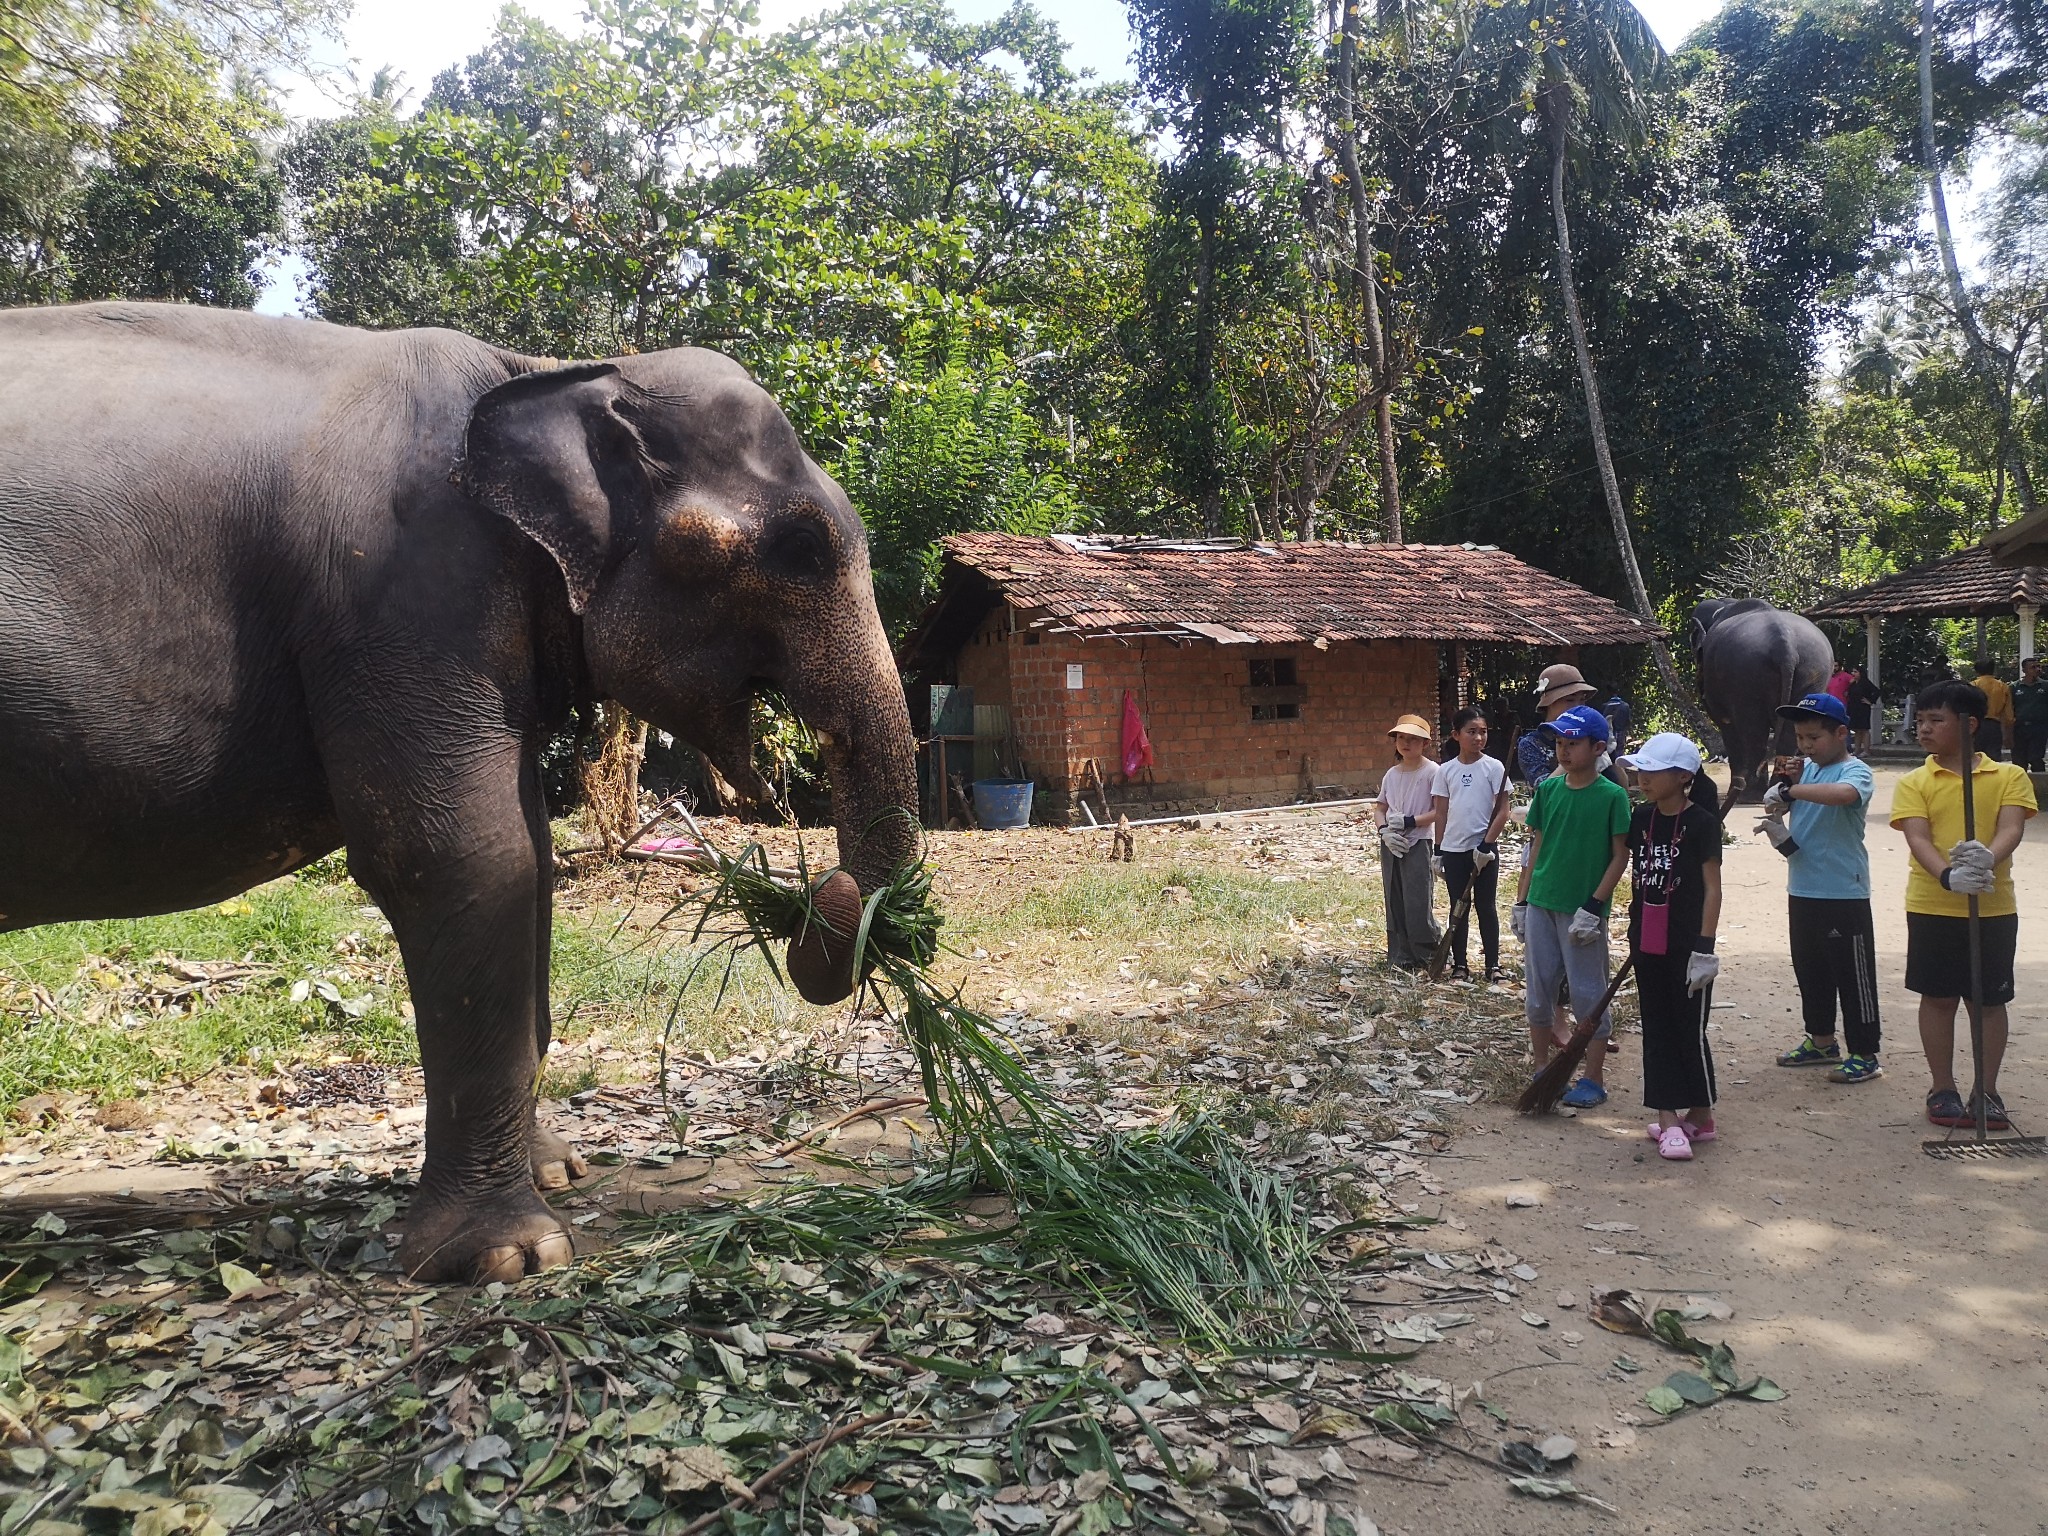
(1405, 811)
(1817, 824)
(1557, 690)
(1621, 720)
(1840, 682)
(1471, 796)
(1578, 830)
(1927, 806)
(2030, 717)
(1864, 698)
(1994, 731)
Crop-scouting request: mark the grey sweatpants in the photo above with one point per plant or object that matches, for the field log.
(1548, 956)
(1408, 883)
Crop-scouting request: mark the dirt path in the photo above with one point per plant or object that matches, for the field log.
(1899, 1299)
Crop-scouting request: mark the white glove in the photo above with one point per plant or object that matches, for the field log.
(1970, 880)
(1436, 867)
(1700, 971)
(1518, 921)
(1971, 854)
(1394, 841)
(1483, 856)
(1776, 830)
(1775, 799)
(1587, 927)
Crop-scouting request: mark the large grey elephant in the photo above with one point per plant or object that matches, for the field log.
(269, 587)
(1752, 657)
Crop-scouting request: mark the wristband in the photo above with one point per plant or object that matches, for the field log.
(1407, 823)
(1788, 848)
(1489, 847)
(1593, 907)
(1703, 945)
(1946, 871)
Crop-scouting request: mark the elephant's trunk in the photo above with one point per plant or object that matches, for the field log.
(869, 758)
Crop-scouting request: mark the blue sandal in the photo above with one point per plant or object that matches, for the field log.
(1585, 1094)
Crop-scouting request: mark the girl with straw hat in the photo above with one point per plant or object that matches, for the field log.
(1405, 812)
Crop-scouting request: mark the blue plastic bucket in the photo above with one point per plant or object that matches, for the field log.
(1002, 803)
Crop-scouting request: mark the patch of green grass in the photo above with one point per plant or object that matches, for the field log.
(1189, 910)
(97, 1008)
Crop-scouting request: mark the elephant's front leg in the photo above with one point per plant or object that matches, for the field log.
(467, 926)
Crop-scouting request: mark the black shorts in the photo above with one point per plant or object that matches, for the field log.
(1938, 955)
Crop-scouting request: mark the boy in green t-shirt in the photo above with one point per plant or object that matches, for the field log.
(1578, 825)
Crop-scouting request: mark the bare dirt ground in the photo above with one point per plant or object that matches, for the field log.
(1899, 1299)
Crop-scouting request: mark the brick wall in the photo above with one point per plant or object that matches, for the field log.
(1208, 752)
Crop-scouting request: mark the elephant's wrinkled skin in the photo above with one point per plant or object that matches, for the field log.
(1753, 657)
(268, 587)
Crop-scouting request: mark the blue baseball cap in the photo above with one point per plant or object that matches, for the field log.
(1816, 706)
(1581, 722)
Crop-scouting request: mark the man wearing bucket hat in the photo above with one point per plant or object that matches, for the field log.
(1817, 824)
(1557, 690)
(1405, 810)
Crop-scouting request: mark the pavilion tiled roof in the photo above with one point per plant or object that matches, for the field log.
(1959, 586)
(1236, 593)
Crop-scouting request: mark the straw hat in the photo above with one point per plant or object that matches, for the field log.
(1562, 681)
(1411, 725)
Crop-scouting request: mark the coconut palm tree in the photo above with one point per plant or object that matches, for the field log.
(1582, 63)
(1889, 348)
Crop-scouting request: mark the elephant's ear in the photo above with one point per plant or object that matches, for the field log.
(554, 453)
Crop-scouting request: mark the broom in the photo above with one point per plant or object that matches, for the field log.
(1541, 1096)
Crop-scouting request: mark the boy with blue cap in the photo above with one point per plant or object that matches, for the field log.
(1578, 826)
(1817, 824)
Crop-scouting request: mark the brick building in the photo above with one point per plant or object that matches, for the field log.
(1263, 673)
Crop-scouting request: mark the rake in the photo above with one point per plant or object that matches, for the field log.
(1461, 909)
(1980, 1148)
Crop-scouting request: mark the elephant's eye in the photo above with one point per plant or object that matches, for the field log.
(799, 551)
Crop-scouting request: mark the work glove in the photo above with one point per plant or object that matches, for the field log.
(1971, 854)
(1436, 867)
(1775, 798)
(1518, 921)
(1700, 971)
(1588, 925)
(1394, 840)
(1484, 855)
(1780, 835)
(1968, 880)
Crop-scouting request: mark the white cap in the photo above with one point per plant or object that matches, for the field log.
(1666, 749)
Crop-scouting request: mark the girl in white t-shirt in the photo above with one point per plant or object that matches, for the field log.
(1471, 795)
(1405, 812)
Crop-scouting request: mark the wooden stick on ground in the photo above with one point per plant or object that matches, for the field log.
(878, 1107)
(787, 1465)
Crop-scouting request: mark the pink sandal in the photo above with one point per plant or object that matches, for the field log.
(1675, 1145)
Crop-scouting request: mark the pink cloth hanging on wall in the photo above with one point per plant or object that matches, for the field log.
(1137, 745)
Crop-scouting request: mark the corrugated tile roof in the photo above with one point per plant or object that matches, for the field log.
(1291, 593)
(1957, 587)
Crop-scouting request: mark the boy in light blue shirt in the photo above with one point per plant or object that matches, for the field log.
(1817, 824)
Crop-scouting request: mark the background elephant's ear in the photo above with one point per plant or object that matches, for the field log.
(554, 453)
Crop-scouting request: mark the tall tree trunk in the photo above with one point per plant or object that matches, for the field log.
(1554, 113)
(1205, 373)
(1367, 262)
(2010, 452)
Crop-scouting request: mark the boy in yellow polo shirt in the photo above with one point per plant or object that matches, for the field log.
(1928, 807)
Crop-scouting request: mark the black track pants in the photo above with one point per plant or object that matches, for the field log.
(1834, 959)
(1678, 1064)
(1485, 902)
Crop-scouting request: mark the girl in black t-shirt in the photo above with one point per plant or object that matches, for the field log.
(1675, 875)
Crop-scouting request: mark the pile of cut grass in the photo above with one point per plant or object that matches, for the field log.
(1177, 1220)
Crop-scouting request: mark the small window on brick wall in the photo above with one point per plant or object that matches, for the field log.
(1274, 693)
